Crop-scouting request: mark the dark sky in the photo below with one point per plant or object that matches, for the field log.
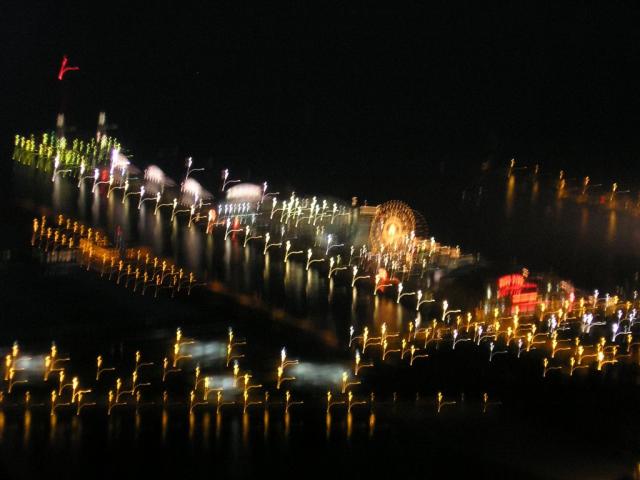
(368, 96)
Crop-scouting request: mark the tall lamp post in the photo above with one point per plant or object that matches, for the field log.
(191, 170)
(225, 179)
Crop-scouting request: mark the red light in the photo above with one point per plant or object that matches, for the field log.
(510, 284)
(64, 69)
(523, 294)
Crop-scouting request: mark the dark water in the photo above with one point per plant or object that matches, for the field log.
(539, 429)
(521, 220)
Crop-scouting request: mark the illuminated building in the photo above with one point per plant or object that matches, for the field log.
(518, 292)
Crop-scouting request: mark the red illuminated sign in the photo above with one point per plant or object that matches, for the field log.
(523, 295)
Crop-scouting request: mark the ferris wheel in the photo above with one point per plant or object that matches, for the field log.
(393, 226)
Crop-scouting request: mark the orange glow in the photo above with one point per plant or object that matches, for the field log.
(383, 275)
(391, 231)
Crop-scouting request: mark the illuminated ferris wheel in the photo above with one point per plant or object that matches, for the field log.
(393, 226)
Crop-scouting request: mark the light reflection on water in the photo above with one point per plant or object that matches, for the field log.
(584, 220)
(192, 241)
(535, 190)
(612, 226)
(511, 184)
(328, 304)
(538, 229)
(523, 220)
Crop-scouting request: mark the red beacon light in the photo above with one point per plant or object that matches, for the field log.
(64, 68)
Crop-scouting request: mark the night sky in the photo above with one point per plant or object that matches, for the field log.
(350, 98)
